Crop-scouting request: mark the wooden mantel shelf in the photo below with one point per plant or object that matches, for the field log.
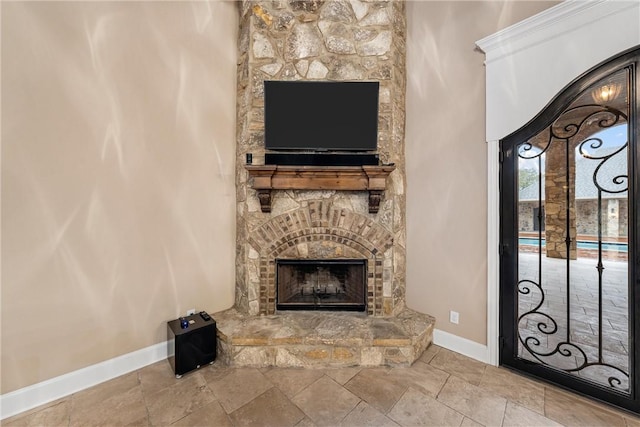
(365, 178)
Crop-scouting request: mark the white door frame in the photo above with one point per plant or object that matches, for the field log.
(555, 47)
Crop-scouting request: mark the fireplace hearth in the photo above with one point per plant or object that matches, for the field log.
(337, 284)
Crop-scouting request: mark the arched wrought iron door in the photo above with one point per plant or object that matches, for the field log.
(569, 243)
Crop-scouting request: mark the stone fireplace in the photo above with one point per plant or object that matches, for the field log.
(321, 40)
(320, 229)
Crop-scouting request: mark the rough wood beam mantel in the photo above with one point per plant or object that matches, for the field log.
(347, 178)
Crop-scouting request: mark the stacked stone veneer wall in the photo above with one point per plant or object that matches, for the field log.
(321, 40)
(555, 205)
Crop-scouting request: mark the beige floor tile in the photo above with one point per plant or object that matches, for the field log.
(326, 402)
(417, 409)
(272, 408)
(519, 416)
(468, 422)
(209, 415)
(54, 414)
(429, 353)
(118, 401)
(342, 375)
(156, 377)
(422, 377)
(239, 387)
(130, 399)
(95, 395)
(216, 372)
(456, 364)
(514, 387)
(292, 381)
(366, 415)
(470, 400)
(181, 399)
(123, 408)
(377, 388)
(572, 410)
(632, 421)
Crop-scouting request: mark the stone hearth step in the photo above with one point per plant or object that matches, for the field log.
(322, 339)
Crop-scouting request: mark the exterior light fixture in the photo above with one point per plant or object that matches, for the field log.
(606, 93)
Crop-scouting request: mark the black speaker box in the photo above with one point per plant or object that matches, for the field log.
(192, 347)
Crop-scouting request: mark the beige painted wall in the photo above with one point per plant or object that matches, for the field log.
(447, 157)
(118, 199)
(118, 134)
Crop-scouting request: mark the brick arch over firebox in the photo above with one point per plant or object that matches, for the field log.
(321, 231)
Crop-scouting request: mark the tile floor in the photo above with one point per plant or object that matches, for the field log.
(442, 388)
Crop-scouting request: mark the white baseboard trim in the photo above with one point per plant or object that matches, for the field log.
(47, 391)
(461, 345)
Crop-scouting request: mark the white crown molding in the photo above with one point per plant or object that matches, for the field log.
(26, 398)
(535, 23)
(570, 14)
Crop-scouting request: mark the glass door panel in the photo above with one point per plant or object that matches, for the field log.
(568, 235)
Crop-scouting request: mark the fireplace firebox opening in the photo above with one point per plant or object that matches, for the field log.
(336, 284)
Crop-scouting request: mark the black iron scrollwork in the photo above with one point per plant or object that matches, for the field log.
(575, 358)
(538, 332)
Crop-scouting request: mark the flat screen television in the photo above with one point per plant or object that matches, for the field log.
(321, 116)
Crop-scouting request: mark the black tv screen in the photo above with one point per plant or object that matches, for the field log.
(321, 116)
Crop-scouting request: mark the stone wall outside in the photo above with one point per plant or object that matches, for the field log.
(614, 223)
(525, 215)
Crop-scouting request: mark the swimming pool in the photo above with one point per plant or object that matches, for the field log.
(582, 244)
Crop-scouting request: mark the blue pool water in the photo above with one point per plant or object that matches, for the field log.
(608, 246)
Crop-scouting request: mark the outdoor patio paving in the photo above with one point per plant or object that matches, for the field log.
(548, 324)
